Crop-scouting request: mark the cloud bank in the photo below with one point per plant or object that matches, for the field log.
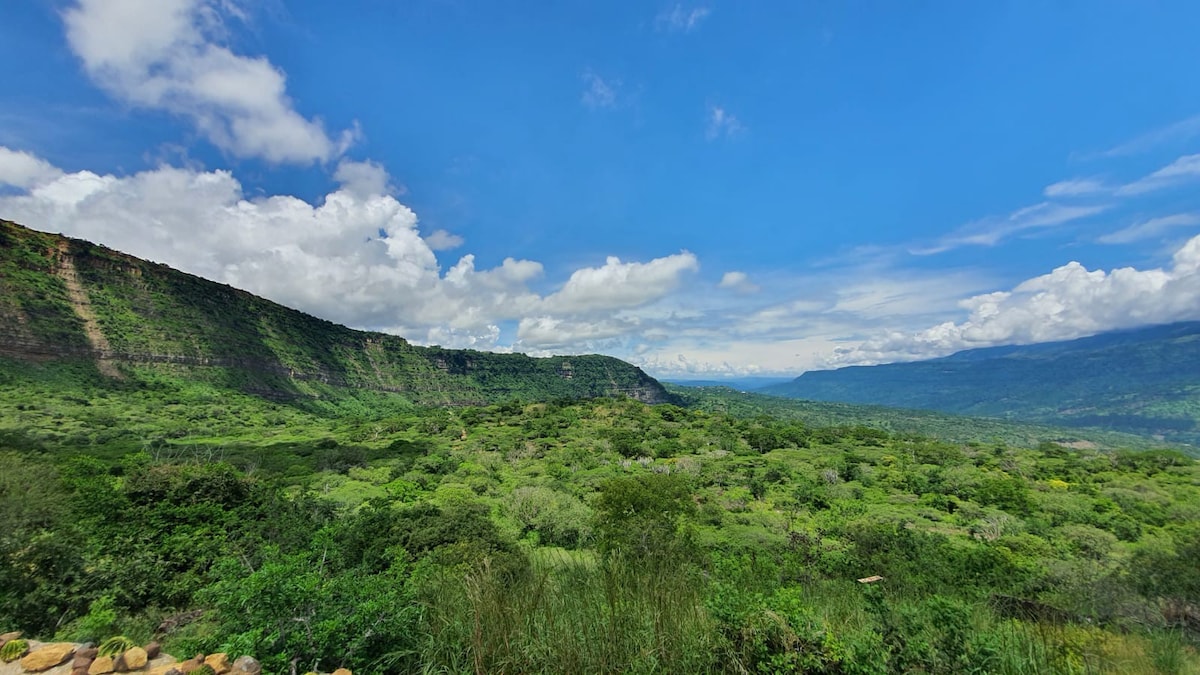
(1067, 303)
(357, 257)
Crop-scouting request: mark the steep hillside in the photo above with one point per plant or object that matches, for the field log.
(65, 300)
(1144, 381)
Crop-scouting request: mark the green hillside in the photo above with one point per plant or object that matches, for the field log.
(1144, 381)
(65, 300)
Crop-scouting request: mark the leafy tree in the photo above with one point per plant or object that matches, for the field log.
(640, 515)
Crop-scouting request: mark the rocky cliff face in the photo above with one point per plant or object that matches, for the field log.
(68, 300)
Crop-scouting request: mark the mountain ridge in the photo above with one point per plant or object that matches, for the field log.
(64, 299)
(1143, 380)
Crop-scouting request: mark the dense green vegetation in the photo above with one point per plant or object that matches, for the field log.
(583, 536)
(946, 427)
(1144, 381)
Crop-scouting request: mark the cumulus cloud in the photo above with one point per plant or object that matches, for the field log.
(617, 284)
(441, 240)
(166, 55)
(1150, 228)
(356, 257)
(363, 179)
(735, 357)
(722, 123)
(23, 170)
(738, 281)
(1067, 303)
(680, 19)
(546, 333)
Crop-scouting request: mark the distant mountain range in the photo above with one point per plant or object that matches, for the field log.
(67, 301)
(1144, 381)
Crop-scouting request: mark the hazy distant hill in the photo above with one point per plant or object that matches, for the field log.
(64, 300)
(1144, 381)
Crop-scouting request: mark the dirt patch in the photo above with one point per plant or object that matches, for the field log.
(65, 270)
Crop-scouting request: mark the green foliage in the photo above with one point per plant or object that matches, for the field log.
(570, 613)
(100, 620)
(557, 518)
(115, 646)
(13, 650)
(294, 607)
(520, 537)
(640, 516)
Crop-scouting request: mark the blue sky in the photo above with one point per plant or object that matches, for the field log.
(703, 189)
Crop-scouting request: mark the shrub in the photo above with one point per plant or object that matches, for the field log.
(115, 646)
(13, 650)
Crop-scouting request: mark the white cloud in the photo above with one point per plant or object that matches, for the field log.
(356, 258)
(738, 281)
(721, 123)
(619, 285)
(991, 231)
(363, 179)
(1069, 302)
(545, 333)
(1075, 187)
(441, 240)
(1184, 169)
(599, 93)
(1150, 228)
(736, 357)
(23, 170)
(164, 55)
(680, 19)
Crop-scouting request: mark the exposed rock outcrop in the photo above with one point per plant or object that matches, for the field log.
(46, 657)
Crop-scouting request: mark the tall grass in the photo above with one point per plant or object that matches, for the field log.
(575, 612)
(570, 613)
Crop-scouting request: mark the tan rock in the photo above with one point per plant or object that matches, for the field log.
(45, 658)
(165, 669)
(219, 662)
(342, 671)
(10, 636)
(191, 664)
(102, 666)
(134, 658)
(79, 670)
(246, 665)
